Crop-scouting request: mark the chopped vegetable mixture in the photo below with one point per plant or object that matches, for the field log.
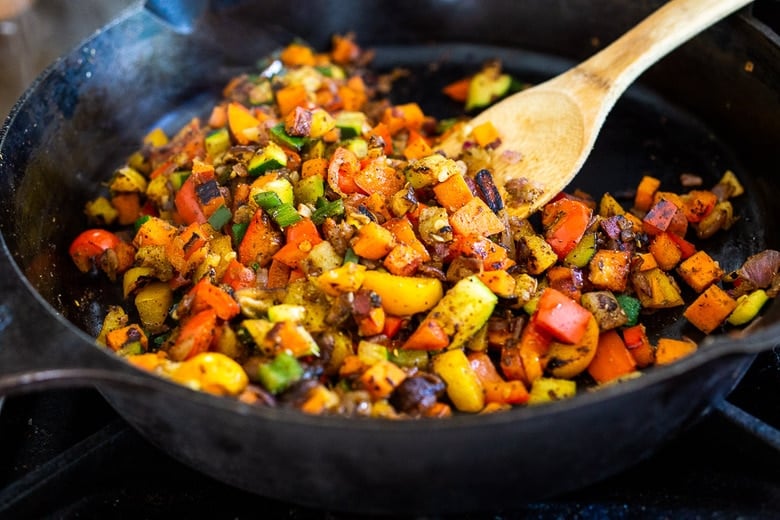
(304, 245)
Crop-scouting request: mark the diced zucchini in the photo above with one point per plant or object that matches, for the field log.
(357, 145)
(582, 252)
(429, 170)
(321, 123)
(286, 312)
(747, 307)
(271, 158)
(220, 217)
(309, 189)
(631, 307)
(486, 87)
(464, 309)
(280, 373)
(279, 135)
(280, 186)
(217, 142)
(351, 124)
(370, 353)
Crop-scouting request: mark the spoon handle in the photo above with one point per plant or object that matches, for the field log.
(619, 64)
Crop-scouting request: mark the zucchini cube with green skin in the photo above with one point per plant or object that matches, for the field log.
(486, 87)
(280, 186)
(351, 124)
(309, 189)
(217, 142)
(464, 309)
(271, 158)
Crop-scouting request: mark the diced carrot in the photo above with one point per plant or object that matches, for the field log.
(500, 282)
(344, 49)
(697, 204)
(486, 134)
(637, 343)
(565, 319)
(476, 218)
(128, 207)
(563, 279)
(351, 365)
(417, 147)
(645, 261)
(643, 199)
(458, 90)
(240, 121)
(429, 335)
(565, 221)
(317, 166)
(659, 217)
(710, 309)
(154, 232)
(453, 193)
(492, 255)
(700, 271)
(665, 251)
(289, 97)
(261, 241)
(609, 269)
(188, 248)
(373, 241)
(383, 132)
(408, 116)
(612, 359)
(497, 390)
(403, 260)
(295, 55)
(351, 99)
(404, 234)
(670, 196)
(291, 336)
(372, 323)
(300, 238)
(670, 350)
(123, 336)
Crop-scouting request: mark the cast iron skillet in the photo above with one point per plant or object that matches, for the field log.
(700, 110)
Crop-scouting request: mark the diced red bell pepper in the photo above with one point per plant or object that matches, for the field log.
(565, 319)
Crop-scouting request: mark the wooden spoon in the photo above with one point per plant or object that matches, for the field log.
(553, 126)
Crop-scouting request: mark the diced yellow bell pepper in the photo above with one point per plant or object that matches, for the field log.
(463, 386)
